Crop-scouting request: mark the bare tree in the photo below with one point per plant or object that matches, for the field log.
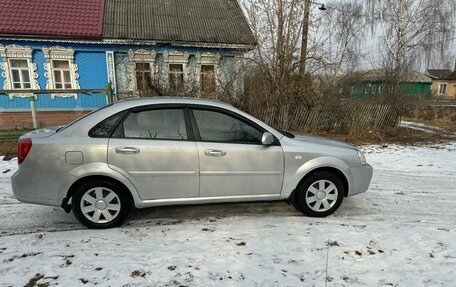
(332, 42)
(277, 28)
(337, 37)
(412, 32)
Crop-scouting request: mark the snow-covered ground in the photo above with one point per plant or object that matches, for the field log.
(402, 232)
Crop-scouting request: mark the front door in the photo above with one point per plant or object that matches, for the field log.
(233, 162)
(154, 148)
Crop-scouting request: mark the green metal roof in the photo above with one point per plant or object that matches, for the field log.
(380, 75)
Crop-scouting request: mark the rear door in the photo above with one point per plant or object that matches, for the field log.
(155, 147)
(233, 162)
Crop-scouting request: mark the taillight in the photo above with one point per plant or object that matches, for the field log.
(23, 149)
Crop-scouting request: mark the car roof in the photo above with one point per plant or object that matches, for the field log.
(170, 100)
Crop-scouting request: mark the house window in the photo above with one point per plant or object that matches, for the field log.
(208, 78)
(62, 74)
(442, 89)
(61, 71)
(175, 71)
(20, 74)
(208, 69)
(176, 77)
(143, 76)
(19, 71)
(374, 89)
(143, 72)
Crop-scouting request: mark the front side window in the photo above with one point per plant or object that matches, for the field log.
(143, 76)
(160, 124)
(20, 74)
(219, 127)
(208, 78)
(176, 77)
(62, 74)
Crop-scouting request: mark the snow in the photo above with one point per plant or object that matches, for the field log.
(402, 232)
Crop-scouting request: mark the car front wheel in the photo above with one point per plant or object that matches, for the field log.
(100, 204)
(320, 194)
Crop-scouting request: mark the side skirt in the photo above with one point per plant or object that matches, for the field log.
(203, 200)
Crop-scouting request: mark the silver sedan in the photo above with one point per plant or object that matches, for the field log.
(169, 151)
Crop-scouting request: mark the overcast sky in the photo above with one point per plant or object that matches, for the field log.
(371, 56)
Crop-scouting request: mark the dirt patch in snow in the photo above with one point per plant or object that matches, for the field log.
(8, 148)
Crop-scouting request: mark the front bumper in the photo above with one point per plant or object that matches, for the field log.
(362, 176)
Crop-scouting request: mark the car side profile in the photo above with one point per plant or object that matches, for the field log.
(170, 151)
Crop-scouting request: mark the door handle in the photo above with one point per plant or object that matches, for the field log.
(127, 150)
(214, 152)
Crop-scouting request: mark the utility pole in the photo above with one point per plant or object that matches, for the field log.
(304, 38)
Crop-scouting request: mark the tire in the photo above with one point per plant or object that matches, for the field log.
(101, 204)
(320, 194)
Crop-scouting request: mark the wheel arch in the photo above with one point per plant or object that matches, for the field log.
(89, 178)
(95, 171)
(331, 169)
(69, 192)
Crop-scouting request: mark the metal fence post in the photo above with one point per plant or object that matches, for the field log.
(109, 92)
(33, 109)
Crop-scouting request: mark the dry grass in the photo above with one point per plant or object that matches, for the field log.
(439, 116)
(390, 136)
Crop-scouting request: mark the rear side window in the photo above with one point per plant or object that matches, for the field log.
(160, 124)
(105, 128)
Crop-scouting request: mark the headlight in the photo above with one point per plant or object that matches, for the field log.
(361, 157)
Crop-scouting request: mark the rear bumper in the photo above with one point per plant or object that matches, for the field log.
(25, 190)
(362, 176)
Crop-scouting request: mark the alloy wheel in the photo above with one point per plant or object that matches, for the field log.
(321, 195)
(100, 205)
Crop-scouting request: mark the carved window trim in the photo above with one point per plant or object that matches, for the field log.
(176, 57)
(141, 56)
(16, 52)
(60, 54)
(208, 59)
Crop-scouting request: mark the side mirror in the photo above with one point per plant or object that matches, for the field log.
(267, 138)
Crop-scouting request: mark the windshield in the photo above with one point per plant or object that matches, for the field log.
(286, 133)
(78, 119)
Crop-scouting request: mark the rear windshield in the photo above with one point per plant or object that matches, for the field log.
(83, 117)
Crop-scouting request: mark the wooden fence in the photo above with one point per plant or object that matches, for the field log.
(340, 118)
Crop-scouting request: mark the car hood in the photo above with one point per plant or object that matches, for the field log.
(322, 141)
(41, 133)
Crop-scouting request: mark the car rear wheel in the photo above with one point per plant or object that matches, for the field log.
(100, 204)
(320, 194)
